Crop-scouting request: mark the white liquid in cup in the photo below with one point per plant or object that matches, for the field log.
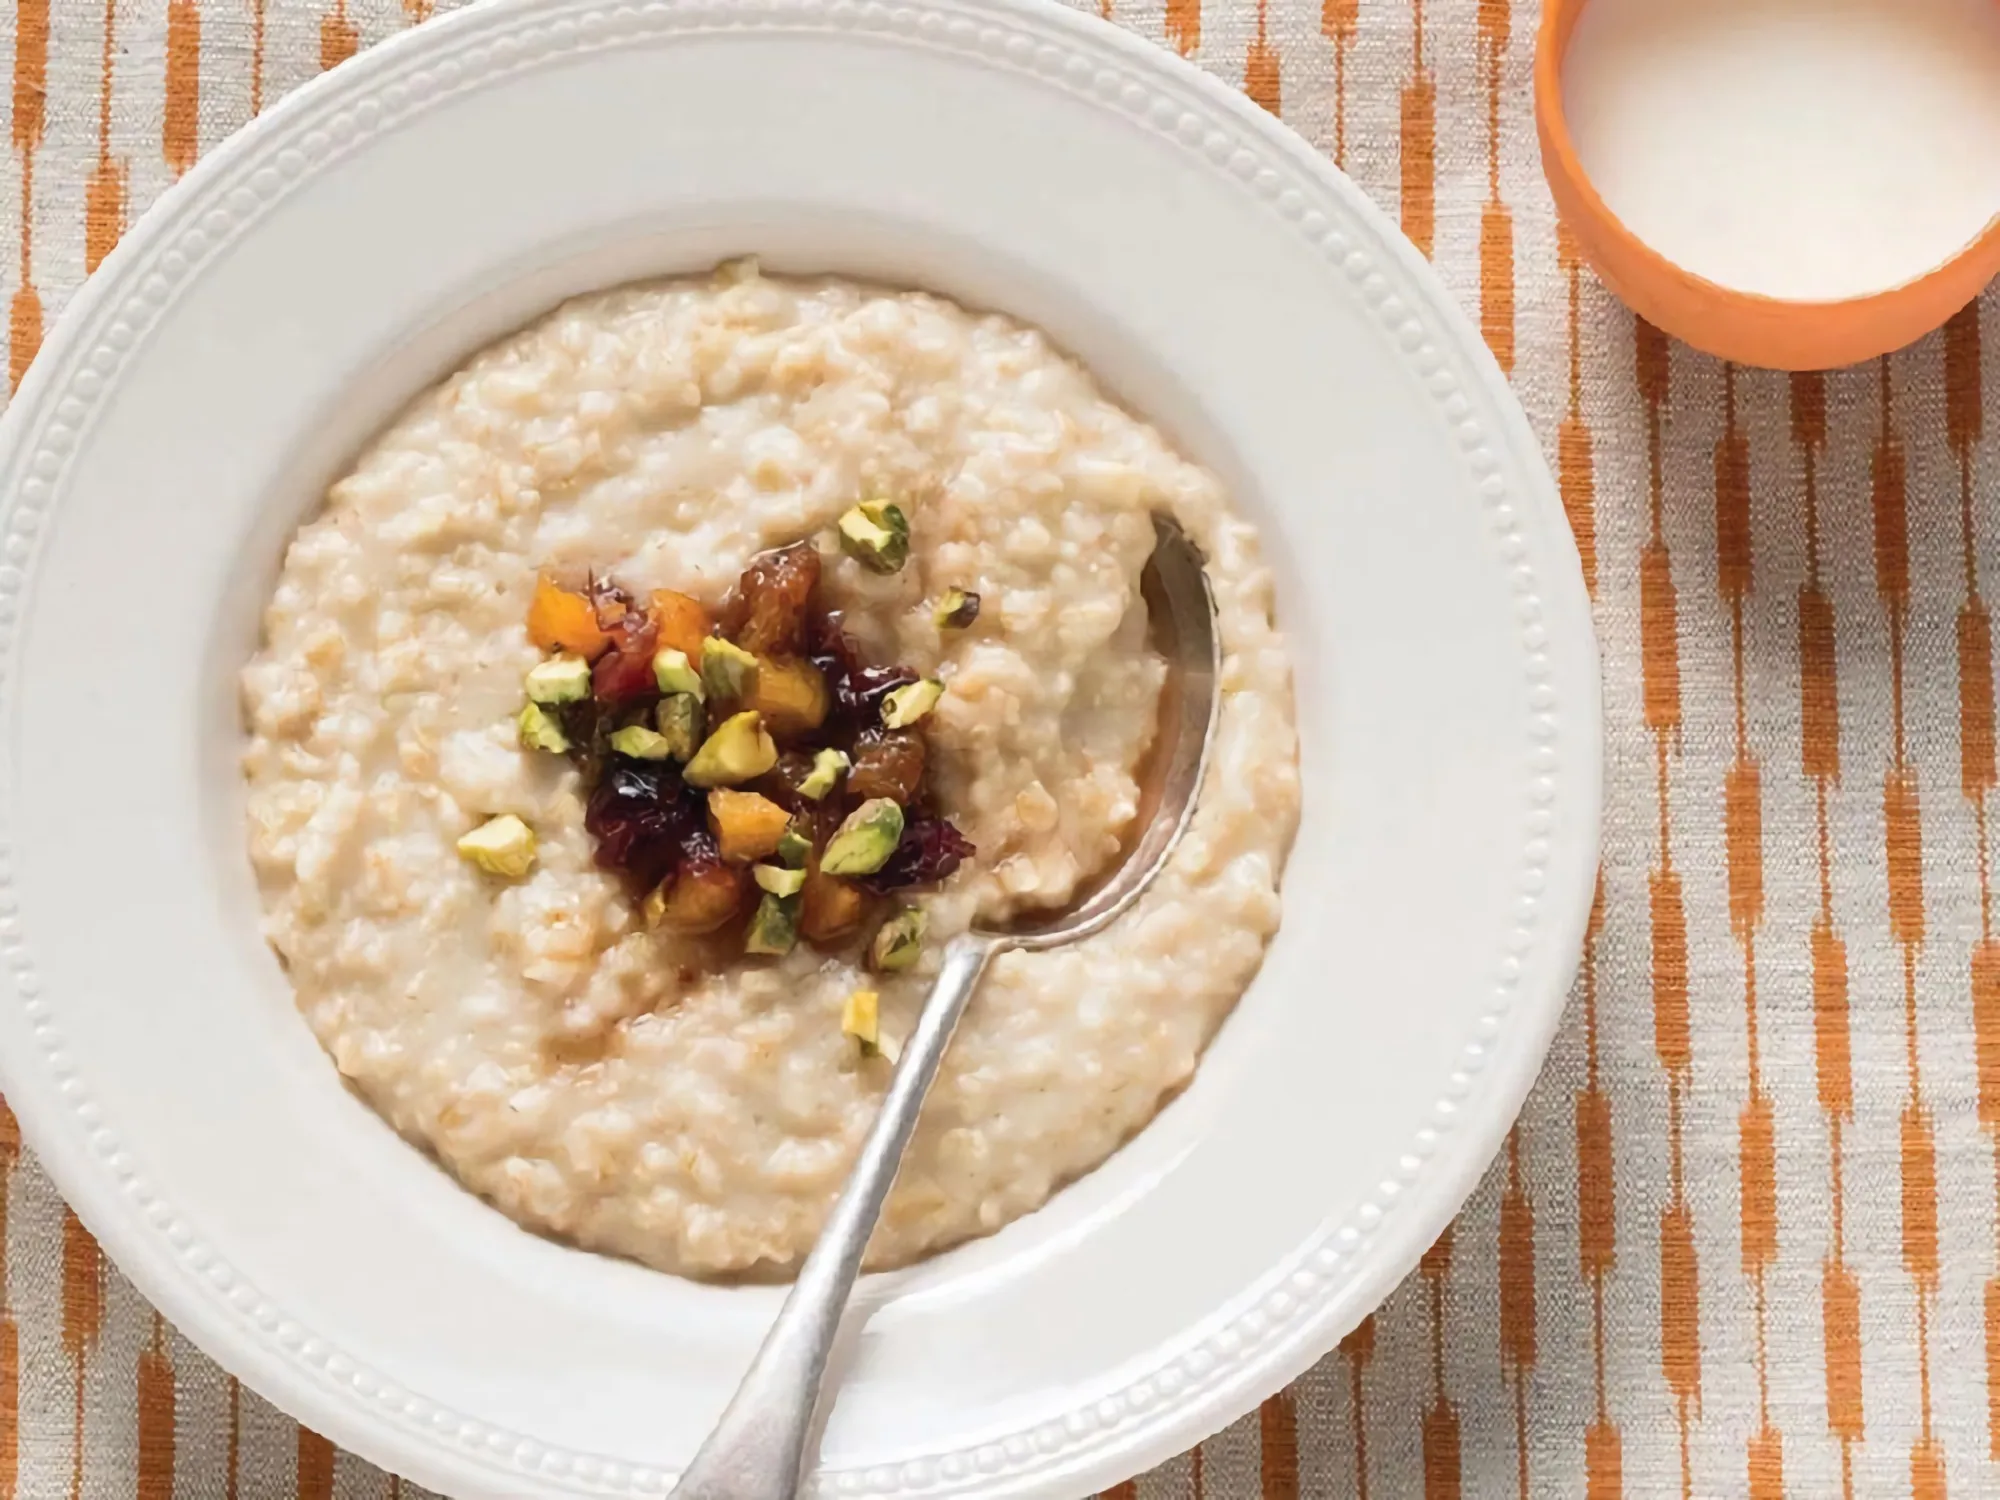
(1806, 149)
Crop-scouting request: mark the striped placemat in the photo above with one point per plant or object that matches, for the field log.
(1743, 1241)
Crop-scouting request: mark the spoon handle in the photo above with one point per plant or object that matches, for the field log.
(757, 1449)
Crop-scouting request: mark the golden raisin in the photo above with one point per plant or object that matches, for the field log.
(831, 909)
(887, 763)
(774, 597)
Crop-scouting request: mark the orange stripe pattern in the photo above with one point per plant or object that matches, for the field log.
(1745, 1238)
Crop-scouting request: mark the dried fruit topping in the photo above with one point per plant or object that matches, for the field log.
(675, 719)
(831, 909)
(956, 610)
(776, 597)
(561, 619)
(791, 772)
(611, 602)
(790, 693)
(888, 763)
(645, 818)
(626, 670)
(699, 896)
(856, 690)
(746, 825)
(930, 850)
(682, 621)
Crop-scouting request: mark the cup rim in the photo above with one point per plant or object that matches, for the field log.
(1752, 328)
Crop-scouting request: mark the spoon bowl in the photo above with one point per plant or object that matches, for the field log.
(757, 1449)
(1181, 607)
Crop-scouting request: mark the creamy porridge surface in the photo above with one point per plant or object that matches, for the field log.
(573, 1066)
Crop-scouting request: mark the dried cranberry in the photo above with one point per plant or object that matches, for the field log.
(609, 600)
(930, 851)
(824, 637)
(644, 818)
(626, 670)
(581, 722)
(869, 686)
(783, 782)
(856, 691)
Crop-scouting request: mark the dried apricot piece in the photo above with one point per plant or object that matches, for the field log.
(561, 619)
(746, 825)
(682, 620)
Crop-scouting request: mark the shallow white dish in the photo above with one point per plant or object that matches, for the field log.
(367, 234)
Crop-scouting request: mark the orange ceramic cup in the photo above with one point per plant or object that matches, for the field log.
(1740, 326)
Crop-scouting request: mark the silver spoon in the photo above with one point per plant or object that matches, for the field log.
(757, 1449)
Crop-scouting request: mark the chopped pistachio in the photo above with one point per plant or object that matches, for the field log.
(794, 848)
(560, 679)
(738, 750)
(676, 674)
(777, 880)
(727, 670)
(679, 718)
(898, 942)
(501, 846)
(774, 926)
(861, 1017)
(904, 706)
(641, 743)
(540, 731)
(956, 610)
(828, 767)
(876, 534)
(864, 842)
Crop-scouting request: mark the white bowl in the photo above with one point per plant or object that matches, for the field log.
(361, 239)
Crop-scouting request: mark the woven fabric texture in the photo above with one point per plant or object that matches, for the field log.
(1743, 1239)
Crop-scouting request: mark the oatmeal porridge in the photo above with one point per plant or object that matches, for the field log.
(525, 613)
